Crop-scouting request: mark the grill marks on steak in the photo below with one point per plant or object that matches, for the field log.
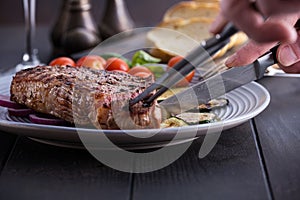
(83, 96)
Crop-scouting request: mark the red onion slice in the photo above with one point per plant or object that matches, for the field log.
(46, 119)
(6, 102)
(24, 112)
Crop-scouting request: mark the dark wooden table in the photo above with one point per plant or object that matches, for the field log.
(256, 160)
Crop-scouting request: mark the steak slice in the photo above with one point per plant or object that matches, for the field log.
(84, 96)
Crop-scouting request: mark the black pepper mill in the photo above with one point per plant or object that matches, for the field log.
(116, 19)
(75, 29)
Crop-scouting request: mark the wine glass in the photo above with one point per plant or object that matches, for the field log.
(30, 57)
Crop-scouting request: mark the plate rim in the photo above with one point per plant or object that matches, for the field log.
(225, 124)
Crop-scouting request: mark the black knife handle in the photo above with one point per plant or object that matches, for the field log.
(266, 60)
(274, 53)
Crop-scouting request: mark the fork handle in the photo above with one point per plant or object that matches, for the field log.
(227, 32)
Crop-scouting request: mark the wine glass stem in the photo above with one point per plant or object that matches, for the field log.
(29, 15)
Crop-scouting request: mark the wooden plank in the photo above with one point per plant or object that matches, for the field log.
(279, 135)
(39, 171)
(231, 170)
(7, 142)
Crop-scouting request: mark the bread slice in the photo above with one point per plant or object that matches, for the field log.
(178, 36)
(188, 23)
(196, 28)
(192, 9)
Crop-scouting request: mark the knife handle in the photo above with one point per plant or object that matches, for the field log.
(274, 53)
(266, 60)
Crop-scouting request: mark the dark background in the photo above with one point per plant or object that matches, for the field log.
(47, 11)
(143, 12)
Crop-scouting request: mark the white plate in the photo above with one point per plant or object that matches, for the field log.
(245, 103)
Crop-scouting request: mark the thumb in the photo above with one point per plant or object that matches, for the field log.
(289, 54)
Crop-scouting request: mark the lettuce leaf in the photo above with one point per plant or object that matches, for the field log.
(142, 58)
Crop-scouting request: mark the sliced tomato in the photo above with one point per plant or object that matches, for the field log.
(62, 61)
(119, 71)
(138, 69)
(92, 61)
(188, 78)
(142, 74)
(116, 64)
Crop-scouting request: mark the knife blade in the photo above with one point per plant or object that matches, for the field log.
(219, 84)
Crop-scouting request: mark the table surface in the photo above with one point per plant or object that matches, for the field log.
(256, 160)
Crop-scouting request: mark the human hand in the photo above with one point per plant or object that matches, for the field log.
(252, 21)
(288, 53)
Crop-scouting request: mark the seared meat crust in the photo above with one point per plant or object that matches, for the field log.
(84, 96)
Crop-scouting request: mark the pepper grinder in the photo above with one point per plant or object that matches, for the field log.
(75, 29)
(116, 19)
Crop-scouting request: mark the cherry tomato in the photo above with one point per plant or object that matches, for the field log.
(92, 61)
(62, 61)
(174, 60)
(138, 69)
(188, 78)
(116, 64)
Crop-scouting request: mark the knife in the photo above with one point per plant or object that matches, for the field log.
(219, 84)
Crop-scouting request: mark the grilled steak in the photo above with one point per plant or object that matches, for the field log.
(84, 96)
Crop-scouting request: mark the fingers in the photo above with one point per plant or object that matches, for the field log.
(251, 51)
(288, 56)
(253, 24)
(293, 69)
(277, 28)
(218, 24)
(275, 7)
(248, 54)
(270, 31)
